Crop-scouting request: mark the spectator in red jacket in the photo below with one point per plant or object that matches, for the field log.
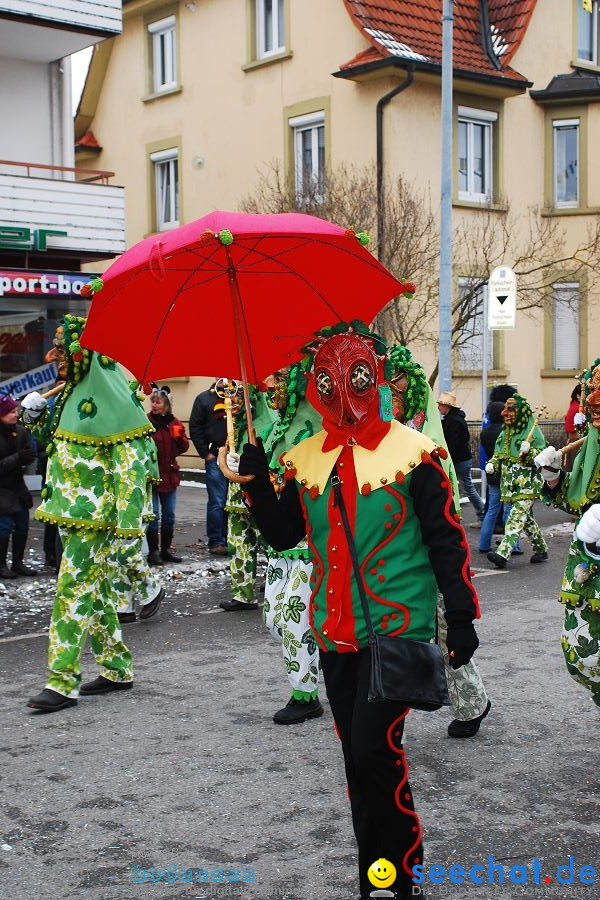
(570, 426)
(171, 441)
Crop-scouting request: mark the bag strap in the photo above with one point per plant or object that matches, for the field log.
(339, 502)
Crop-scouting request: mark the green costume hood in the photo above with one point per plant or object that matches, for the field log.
(584, 479)
(299, 420)
(508, 444)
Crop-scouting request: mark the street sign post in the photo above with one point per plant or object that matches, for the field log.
(502, 298)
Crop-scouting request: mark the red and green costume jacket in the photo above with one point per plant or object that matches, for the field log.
(408, 538)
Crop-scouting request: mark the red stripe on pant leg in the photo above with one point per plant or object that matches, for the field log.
(405, 810)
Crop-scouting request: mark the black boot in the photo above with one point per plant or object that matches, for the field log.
(4, 570)
(166, 537)
(18, 547)
(153, 554)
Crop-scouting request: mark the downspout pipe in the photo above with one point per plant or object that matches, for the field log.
(381, 104)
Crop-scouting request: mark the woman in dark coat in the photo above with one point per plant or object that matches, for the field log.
(171, 441)
(16, 452)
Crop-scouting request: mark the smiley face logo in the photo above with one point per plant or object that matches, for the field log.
(382, 873)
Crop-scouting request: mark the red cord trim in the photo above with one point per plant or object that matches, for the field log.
(398, 793)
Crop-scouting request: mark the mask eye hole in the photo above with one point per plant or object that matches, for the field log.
(324, 383)
(361, 378)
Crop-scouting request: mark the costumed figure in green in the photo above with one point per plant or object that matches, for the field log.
(414, 405)
(101, 462)
(520, 483)
(243, 537)
(406, 542)
(578, 493)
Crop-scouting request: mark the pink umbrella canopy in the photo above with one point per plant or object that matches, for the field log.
(233, 293)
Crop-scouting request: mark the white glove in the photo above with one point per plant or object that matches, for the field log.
(525, 447)
(587, 529)
(34, 407)
(233, 462)
(549, 461)
(579, 418)
(490, 468)
(34, 401)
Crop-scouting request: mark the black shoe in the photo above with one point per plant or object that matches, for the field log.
(102, 685)
(50, 701)
(50, 561)
(150, 609)
(168, 556)
(126, 617)
(20, 569)
(5, 572)
(538, 558)
(297, 711)
(154, 558)
(459, 729)
(235, 605)
(489, 550)
(499, 561)
(517, 552)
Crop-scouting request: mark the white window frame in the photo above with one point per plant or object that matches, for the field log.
(277, 25)
(594, 15)
(474, 344)
(558, 326)
(300, 124)
(164, 39)
(557, 124)
(166, 164)
(481, 117)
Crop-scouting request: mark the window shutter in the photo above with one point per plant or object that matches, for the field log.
(565, 338)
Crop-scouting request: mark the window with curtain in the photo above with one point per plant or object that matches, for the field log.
(164, 70)
(587, 32)
(309, 154)
(166, 182)
(566, 162)
(270, 27)
(475, 154)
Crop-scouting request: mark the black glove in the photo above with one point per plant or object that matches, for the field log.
(26, 455)
(462, 642)
(253, 461)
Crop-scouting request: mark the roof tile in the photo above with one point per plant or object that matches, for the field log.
(412, 29)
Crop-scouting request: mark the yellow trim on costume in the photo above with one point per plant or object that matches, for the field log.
(400, 451)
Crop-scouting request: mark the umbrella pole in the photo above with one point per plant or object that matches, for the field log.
(237, 306)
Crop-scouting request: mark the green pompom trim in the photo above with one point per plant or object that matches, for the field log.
(109, 440)
(363, 238)
(226, 237)
(96, 284)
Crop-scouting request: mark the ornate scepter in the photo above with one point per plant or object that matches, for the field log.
(227, 389)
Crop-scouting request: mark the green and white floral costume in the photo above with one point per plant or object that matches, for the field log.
(101, 462)
(580, 591)
(243, 537)
(288, 587)
(465, 686)
(520, 483)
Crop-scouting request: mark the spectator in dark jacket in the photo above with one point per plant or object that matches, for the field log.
(489, 436)
(208, 431)
(171, 441)
(16, 452)
(456, 433)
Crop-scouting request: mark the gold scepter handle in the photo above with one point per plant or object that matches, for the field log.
(230, 445)
(574, 445)
(536, 420)
(55, 390)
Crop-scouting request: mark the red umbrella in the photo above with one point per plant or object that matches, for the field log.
(233, 293)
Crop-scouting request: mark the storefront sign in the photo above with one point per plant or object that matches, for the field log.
(17, 283)
(19, 237)
(39, 379)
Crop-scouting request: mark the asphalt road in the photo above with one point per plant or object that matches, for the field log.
(188, 770)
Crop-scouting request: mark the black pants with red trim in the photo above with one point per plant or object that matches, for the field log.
(385, 823)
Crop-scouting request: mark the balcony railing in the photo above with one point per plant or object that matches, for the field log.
(83, 175)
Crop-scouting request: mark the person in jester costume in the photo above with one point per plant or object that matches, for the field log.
(101, 462)
(520, 484)
(243, 538)
(415, 406)
(578, 493)
(408, 542)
